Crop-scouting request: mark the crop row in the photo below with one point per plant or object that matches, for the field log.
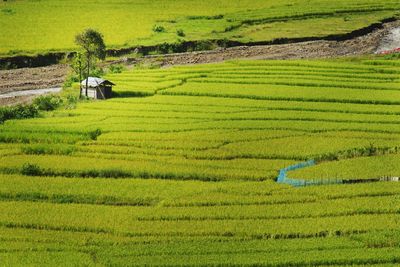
(119, 220)
(227, 105)
(271, 114)
(286, 92)
(308, 82)
(169, 193)
(51, 247)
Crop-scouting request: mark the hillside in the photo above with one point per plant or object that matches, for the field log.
(33, 27)
(181, 169)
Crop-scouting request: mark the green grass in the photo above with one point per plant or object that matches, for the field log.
(186, 175)
(131, 22)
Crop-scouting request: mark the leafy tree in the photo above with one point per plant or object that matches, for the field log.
(93, 46)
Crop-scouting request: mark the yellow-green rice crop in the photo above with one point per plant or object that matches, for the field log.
(186, 175)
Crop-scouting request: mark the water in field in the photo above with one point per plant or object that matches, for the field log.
(31, 92)
(391, 41)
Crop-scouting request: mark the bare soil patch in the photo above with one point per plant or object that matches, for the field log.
(32, 78)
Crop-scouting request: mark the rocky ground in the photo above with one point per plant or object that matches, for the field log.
(53, 76)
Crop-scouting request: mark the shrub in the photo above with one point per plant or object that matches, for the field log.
(8, 11)
(118, 68)
(72, 100)
(47, 102)
(25, 112)
(180, 33)
(158, 28)
(392, 56)
(31, 170)
(97, 72)
(204, 45)
(18, 112)
(70, 80)
(94, 134)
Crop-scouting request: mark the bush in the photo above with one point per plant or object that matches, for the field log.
(97, 72)
(31, 170)
(116, 68)
(72, 100)
(94, 134)
(47, 102)
(18, 112)
(392, 56)
(180, 33)
(70, 80)
(158, 28)
(25, 112)
(204, 45)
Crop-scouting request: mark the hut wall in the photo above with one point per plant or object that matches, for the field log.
(92, 92)
(101, 92)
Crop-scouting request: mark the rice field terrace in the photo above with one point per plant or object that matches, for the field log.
(30, 26)
(181, 169)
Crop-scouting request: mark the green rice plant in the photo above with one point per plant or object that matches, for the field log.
(287, 92)
(187, 176)
(378, 167)
(149, 250)
(52, 216)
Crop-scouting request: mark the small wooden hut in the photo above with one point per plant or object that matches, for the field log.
(97, 88)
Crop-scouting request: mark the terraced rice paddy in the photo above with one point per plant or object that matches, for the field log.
(186, 173)
(131, 22)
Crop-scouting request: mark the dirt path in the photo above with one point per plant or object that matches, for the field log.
(53, 76)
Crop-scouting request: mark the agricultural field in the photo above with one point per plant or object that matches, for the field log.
(180, 168)
(32, 27)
